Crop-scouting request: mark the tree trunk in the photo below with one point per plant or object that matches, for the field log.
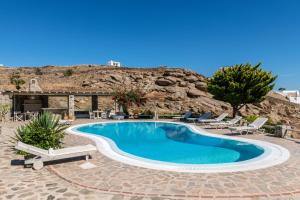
(235, 110)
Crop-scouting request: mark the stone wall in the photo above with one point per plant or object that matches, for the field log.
(106, 103)
(5, 99)
(58, 101)
(83, 103)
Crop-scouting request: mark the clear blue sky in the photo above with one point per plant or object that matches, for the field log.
(201, 35)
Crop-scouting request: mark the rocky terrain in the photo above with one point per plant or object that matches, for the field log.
(182, 89)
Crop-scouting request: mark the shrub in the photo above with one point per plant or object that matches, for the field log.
(44, 132)
(4, 109)
(251, 118)
(127, 98)
(15, 79)
(68, 72)
(38, 71)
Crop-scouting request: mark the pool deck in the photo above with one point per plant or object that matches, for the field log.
(113, 180)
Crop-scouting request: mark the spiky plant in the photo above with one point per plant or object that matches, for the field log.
(44, 132)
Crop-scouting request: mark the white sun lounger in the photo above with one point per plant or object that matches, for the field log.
(201, 117)
(65, 121)
(226, 124)
(43, 155)
(253, 127)
(218, 119)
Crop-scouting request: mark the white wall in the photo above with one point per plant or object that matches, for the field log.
(295, 98)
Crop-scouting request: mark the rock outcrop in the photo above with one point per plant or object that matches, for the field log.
(183, 89)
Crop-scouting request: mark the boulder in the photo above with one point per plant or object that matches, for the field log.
(182, 84)
(164, 82)
(170, 89)
(174, 74)
(201, 86)
(191, 79)
(116, 77)
(193, 93)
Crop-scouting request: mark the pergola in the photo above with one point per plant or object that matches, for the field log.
(15, 97)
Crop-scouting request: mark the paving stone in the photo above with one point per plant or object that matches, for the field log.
(118, 181)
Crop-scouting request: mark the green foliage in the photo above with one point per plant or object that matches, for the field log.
(38, 71)
(251, 118)
(44, 132)
(240, 85)
(15, 79)
(68, 72)
(4, 109)
(127, 98)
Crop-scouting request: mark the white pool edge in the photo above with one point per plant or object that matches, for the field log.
(273, 154)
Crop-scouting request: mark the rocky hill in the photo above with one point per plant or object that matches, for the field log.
(183, 89)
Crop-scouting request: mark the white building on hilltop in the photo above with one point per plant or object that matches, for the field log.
(292, 95)
(114, 63)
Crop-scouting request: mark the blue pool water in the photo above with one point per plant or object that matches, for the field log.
(172, 143)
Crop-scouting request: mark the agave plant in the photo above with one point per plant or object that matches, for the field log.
(44, 132)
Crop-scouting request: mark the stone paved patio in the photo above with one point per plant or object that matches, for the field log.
(114, 180)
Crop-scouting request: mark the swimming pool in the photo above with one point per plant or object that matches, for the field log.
(179, 147)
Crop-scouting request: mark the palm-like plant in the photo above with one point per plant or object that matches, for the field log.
(44, 132)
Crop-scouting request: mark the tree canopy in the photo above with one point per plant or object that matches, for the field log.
(241, 84)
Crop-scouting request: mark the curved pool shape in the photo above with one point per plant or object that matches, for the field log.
(179, 147)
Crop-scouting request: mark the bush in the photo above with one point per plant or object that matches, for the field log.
(128, 97)
(44, 132)
(68, 72)
(4, 109)
(38, 71)
(251, 118)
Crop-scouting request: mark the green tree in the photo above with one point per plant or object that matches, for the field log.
(15, 79)
(240, 85)
(44, 132)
